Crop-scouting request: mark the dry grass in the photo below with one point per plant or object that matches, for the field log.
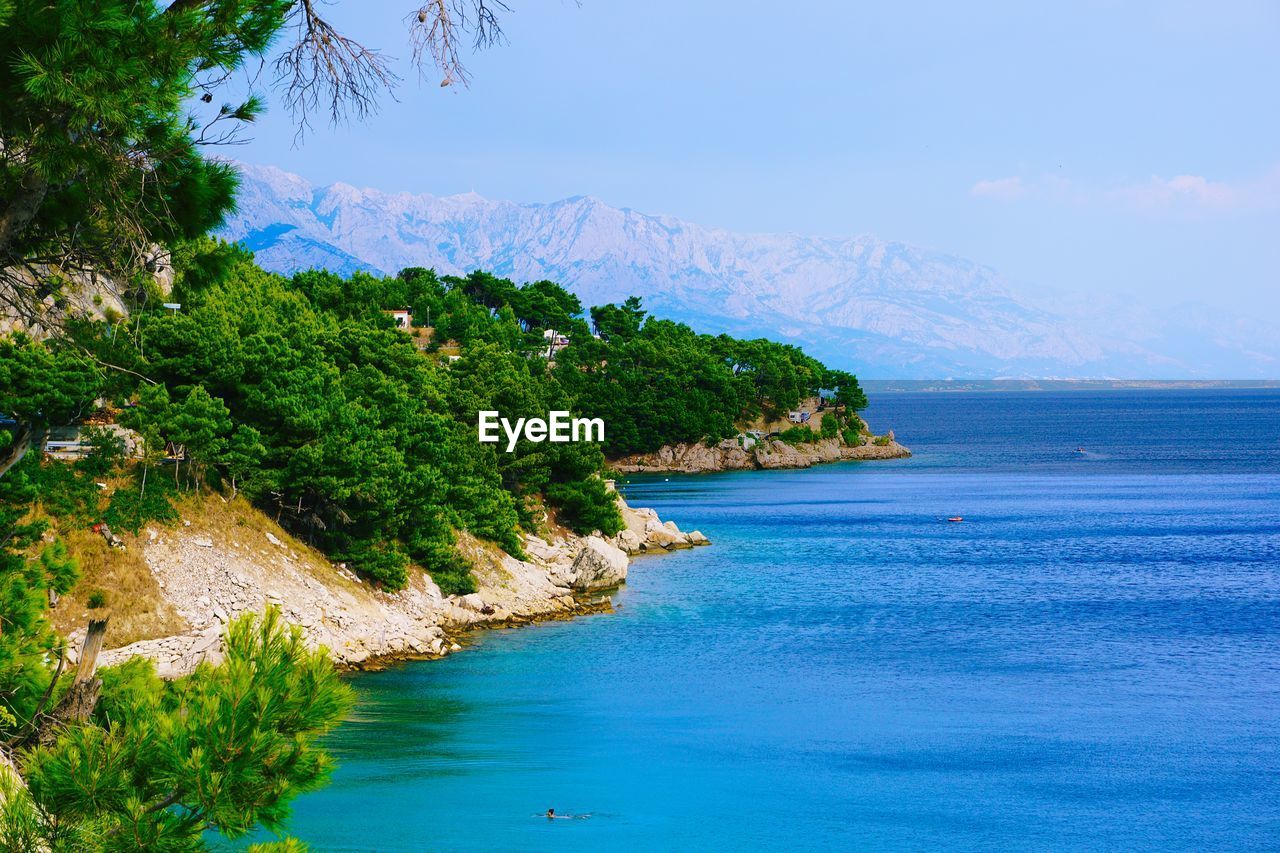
(546, 519)
(239, 523)
(779, 421)
(486, 560)
(134, 602)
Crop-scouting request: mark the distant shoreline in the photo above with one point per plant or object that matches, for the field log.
(890, 386)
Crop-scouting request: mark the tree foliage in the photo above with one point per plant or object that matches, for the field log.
(106, 107)
(45, 385)
(27, 642)
(359, 436)
(656, 382)
(225, 748)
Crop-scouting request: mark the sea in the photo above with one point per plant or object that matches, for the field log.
(1089, 660)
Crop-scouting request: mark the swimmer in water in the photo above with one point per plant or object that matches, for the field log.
(550, 814)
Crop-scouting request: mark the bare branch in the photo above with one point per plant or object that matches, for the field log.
(326, 70)
(437, 28)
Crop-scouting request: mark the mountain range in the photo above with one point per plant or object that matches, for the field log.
(882, 308)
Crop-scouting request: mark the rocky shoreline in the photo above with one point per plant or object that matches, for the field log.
(210, 576)
(730, 455)
(211, 573)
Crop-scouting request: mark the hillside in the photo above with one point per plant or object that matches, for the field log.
(289, 399)
(884, 308)
(172, 589)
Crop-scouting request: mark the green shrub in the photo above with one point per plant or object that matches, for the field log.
(96, 600)
(60, 568)
(798, 435)
(386, 565)
(881, 441)
(447, 567)
(131, 507)
(67, 493)
(586, 506)
(106, 451)
(830, 426)
(852, 437)
(455, 580)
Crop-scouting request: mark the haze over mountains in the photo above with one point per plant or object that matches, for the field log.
(881, 308)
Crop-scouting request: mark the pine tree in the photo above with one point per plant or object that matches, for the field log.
(244, 453)
(225, 748)
(105, 106)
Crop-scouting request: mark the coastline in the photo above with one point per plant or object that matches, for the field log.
(730, 455)
(211, 572)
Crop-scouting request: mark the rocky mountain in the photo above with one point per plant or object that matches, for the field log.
(883, 308)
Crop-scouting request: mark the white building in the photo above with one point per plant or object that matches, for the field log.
(555, 343)
(402, 318)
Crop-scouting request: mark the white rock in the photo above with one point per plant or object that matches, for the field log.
(599, 565)
(628, 541)
(663, 538)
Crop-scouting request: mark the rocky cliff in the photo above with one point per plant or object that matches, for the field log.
(210, 572)
(730, 455)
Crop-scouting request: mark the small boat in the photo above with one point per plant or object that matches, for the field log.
(1080, 450)
(956, 518)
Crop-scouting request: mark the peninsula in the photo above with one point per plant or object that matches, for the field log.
(814, 433)
(310, 444)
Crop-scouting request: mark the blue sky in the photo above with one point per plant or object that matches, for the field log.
(1120, 150)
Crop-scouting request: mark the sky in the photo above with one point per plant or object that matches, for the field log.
(1124, 152)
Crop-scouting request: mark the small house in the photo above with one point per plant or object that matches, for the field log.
(70, 443)
(555, 342)
(402, 318)
(66, 443)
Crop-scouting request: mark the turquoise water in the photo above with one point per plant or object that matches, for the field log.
(1090, 661)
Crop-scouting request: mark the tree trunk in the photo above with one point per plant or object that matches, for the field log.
(93, 637)
(82, 697)
(22, 208)
(185, 5)
(21, 444)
